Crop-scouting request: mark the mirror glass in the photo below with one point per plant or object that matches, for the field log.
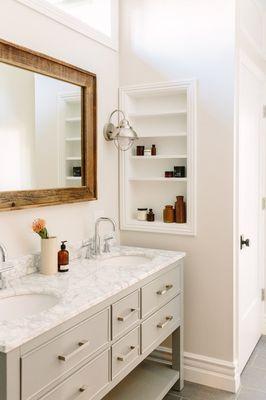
(40, 131)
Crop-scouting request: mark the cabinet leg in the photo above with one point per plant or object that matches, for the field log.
(177, 357)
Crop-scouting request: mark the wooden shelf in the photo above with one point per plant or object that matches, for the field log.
(168, 180)
(73, 119)
(157, 114)
(149, 381)
(161, 157)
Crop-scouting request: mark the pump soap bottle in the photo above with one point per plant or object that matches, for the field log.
(63, 258)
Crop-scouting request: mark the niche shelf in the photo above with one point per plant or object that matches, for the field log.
(70, 120)
(163, 114)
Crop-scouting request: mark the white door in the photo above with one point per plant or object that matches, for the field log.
(250, 218)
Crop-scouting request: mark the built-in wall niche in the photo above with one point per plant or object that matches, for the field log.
(163, 115)
(70, 123)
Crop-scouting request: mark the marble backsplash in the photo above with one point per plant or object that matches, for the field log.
(29, 264)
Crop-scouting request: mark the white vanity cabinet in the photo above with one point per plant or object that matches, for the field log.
(102, 353)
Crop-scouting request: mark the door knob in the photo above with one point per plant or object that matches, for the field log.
(244, 242)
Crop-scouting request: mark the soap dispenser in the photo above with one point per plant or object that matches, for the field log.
(63, 258)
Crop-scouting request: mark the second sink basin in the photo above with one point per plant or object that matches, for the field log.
(25, 305)
(126, 260)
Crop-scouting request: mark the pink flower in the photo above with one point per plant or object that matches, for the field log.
(38, 226)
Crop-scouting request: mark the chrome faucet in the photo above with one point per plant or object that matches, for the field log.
(93, 245)
(97, 239)
(3, 259)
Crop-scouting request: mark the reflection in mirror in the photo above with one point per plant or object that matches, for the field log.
(40, 131)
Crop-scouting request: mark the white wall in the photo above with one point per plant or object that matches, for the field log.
(173, 40)
(22, 25)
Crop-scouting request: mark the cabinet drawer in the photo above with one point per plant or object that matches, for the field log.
(125, 351)
(47, 363)
(85, 383)
(159, 324)
(125, 313)
(160, 291)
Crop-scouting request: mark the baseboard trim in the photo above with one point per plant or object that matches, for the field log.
(203, 370)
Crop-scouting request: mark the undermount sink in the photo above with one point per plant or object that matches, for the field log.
(20, 306)
(126, 260)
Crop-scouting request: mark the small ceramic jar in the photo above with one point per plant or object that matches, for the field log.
(168, 214)
(142, 214)
(168, 174)
(140, 150)
(179, 172)
(147, 152)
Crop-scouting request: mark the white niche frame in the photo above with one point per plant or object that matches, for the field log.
(127, 95)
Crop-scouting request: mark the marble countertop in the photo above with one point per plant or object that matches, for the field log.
(87, 284)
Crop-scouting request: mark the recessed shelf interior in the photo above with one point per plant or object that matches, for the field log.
(71, 153)
(156, 197)
(163, 101)
(164, 145)
(160, 117)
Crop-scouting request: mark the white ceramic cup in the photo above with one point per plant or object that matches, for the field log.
(49, 256)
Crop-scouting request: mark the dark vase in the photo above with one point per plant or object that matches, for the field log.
(180, 210)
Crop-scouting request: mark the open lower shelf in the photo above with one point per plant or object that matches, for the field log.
(158, 179)
(161, 157)
(149, 381)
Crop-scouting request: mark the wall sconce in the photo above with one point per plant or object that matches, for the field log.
(123, 134)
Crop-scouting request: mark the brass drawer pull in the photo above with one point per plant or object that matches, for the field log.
(161, 325)
(82, 346)
(83, 388)
(124, 358)
(130, 314)
(164, 291)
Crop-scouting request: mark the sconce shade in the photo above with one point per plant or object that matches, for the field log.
(123, 135)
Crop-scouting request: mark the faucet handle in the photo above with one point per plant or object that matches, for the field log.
(106, 240)
(89, 244)
(3, 269)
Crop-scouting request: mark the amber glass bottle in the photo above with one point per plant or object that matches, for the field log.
(180, 210)
(63, 258)
(168, 214)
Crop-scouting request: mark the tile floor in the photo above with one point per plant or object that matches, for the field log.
(253, 382)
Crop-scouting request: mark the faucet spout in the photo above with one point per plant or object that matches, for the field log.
(97, 241)
(3, 253)
(3, 267)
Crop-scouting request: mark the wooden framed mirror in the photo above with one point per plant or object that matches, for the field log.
(47, 130)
